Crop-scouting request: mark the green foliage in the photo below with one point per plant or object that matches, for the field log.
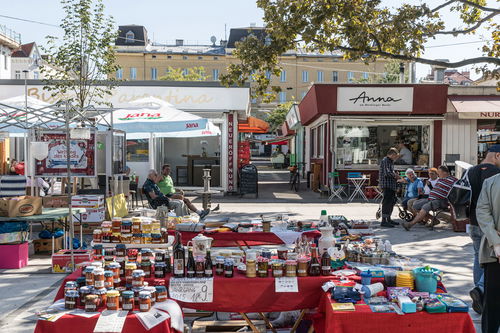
(278, 116)
(362, 29)
(178, 74)
(78, 62)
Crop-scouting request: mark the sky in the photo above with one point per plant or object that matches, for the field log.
(196, 21)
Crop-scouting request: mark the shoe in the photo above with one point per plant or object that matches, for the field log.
(407, 226)
(393, 222)
(477, 300)
(386, 224)
(216, 208)
(204, 213)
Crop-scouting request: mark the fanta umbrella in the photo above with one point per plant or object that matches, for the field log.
(153, 115)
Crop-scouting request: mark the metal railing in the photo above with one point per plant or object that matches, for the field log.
(9, 33)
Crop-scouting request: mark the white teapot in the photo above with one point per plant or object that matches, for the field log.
(201, 244)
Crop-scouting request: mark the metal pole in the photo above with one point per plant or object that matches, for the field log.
(112, 168)
(68, 164)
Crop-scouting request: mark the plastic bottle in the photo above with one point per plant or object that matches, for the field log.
(323, 219)
(387, 246)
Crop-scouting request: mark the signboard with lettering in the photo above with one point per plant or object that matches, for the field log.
(479, 115)
(82, 156)
(230, 152)
(286, 285)
(192, 290)
(292, 117)
(375, 99)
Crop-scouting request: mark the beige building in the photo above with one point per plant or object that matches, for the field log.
(140, 59)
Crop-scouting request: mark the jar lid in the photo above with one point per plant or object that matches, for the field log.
(137, 289)
(86, 289)
(113, 293)
(72, 293)
(120, 289)
(137, 235)
(108, 273)
(99, 271)
(161, 289)
(130, 265)
(100, 291)
(106, 224)
(70, 284)
(228, 261)
(155, 235)
(160, 264)
(146, 235)
(144, 294)
(138, 272)
(146, 250)
(91, 297)
(291, 262)
(97, 264)
(136, 219)
(96, 231)
(127, 222)
(89, 269)
(145, 263)
(114, 264)
(127, 294)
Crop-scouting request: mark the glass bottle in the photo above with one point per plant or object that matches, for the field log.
(179, 256)
(208, 265)
(168, 262)
(314, 265)
(191, 265)
(326, 262)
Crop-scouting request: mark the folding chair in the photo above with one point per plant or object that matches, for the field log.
(336, 190)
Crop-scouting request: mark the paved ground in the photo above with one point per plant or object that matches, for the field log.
(32, 288)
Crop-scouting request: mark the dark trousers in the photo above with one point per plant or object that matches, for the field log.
(388, 202)
(159, 201)
(490, 320)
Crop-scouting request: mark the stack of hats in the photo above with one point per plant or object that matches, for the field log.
(404, 279)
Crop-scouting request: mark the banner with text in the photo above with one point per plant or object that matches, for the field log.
(375, 99)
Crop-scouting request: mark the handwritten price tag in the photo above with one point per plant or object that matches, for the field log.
(286, 285)
(192, 290)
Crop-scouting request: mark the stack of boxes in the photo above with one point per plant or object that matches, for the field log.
(243, 153)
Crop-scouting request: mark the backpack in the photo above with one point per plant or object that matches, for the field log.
(460, 196)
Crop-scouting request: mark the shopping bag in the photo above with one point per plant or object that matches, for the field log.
(119, 204)
(460, 196)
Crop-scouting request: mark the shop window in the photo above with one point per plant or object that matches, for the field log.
(488, 134)
(368, 145)
(318, 141)
(138, 150)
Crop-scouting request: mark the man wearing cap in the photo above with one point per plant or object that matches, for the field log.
(489, 167)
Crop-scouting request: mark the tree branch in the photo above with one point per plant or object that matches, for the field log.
(466, 2)
(465, 31)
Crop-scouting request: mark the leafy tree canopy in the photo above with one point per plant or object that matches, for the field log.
(188, 74)
(277, 116)
(362, 30)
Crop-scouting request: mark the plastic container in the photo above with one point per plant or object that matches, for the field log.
(366, 278)
(426, 279)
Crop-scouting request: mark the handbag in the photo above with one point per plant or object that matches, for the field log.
(460, 196)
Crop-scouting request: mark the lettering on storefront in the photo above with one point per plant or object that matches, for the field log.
(230, 151)
(375, 99)
(479, 115)
(365, 99)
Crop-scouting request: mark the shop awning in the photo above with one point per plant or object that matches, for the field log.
(281, 140)
(253, 125)
(476, 107)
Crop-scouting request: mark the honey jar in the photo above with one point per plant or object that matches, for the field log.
(251, 271)
(302, 266)
(277, 268)
(291, 268)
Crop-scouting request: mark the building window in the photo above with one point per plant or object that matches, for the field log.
(215, 74)
(320, 76)
(335, 76)
(18, 75)
(129, 37)
(153, 57)
(154, 74)
(169, 57)
(119, 74)
(268, 75)
(36, 75)
(199, 58)
(5, 62)
(216, 58)
(305, 76)
(282, 97)
(365, 76)
(350, 76)
(184, 57)
(283, 76)
(133, 73)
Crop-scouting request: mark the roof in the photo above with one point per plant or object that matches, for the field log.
(253, 125)
(140, 35)
(237, 34)
(23, 51)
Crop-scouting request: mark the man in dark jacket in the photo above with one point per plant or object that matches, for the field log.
(387, 182)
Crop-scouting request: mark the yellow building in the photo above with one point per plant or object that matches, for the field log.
(140, 59)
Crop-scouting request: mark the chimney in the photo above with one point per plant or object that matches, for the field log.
(179, 42)
(439, 71)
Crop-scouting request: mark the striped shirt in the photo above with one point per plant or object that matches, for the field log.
(12, 186)
(442, 188)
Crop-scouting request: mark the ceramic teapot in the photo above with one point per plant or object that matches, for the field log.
(201, 244)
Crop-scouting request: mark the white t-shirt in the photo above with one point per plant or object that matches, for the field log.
(427, 190)
(405, 155)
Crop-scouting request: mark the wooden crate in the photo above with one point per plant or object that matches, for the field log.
(45, 245)
(225, 326)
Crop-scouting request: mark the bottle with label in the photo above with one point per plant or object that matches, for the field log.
(168, 262)
(179, 256)
(191, 265)
(314, 265)
(323, 219)
(326, 262)
(208, 265)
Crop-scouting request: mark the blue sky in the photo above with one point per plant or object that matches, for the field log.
(191, 20)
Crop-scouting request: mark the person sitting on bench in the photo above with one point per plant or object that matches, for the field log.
(154, 195)
(438, 198)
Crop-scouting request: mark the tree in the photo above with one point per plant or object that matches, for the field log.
(362, 30)
(276, 117)
(188, 74)
(84, 57)
(390, 75)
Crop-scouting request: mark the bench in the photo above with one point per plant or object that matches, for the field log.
(448, 214)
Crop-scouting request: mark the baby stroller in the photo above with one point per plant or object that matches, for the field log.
(403, 213)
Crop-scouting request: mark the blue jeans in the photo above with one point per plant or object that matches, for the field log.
(476, 234)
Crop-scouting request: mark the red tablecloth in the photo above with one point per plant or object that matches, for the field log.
(242, 294)
(364, 320)
(69, 323)
(224, 239)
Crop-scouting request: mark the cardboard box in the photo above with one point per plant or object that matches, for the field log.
(87, 227)
(61, 260)
(20, 206)
(45, 245)
(90, 215)
(55, 201)
(14, 256)
(87, 201)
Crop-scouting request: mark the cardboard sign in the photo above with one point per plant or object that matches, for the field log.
(20, 206)
(110, 322)
(189, 290)
(286, 285)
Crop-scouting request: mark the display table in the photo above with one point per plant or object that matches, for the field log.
(248, 239)
(48, 214)
(364, 320)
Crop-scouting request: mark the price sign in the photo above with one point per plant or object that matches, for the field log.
(192, 290)
(286, 285)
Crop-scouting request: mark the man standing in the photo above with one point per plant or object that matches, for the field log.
(387, 182)
(488, 218)
(166, 185)
(489, 167)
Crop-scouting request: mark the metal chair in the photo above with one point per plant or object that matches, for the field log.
(336, 189)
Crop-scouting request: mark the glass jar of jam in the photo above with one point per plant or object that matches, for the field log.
(136, 291)
(228, 268)
(89, 275)
(91, 303)
(262, 266)
(302, 266)
(136, 238)
(146, 238)
(121, 290)
(251, 271)
(130, 267)
(70, 299)
(120, 250)
(70, 285)
(115, 268)
(97, 249)
(291, 268)
(101, 293)
(128, 300)
(277, 268)
(156, 227)
(146, 227)
(132, 255)
(138, 278)
(161, 294)
(159, 270)
(113, 300)
(147, 255)
(116, 238)
(136, 225)
(144, 301)
(199, 267)
(126, 238)
(108, 280)
(97, 235)
(109, 254)
(106, 237)
(156, 239)
(219, 265)
(99, 278)
(126, 227)
(116, 225)
(160, 256)
(146, 267)
(152, 292)
(106, 227)
(84, 291)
